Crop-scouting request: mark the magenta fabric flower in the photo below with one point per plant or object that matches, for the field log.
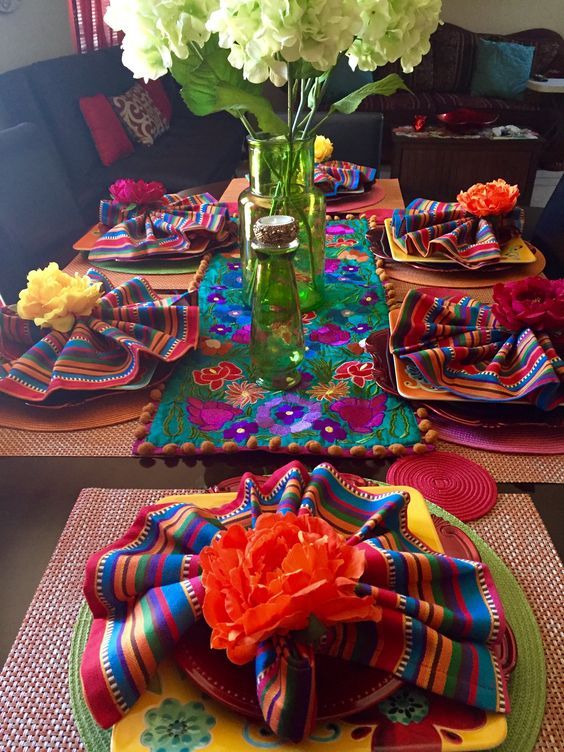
(212, 415)
(532, 303)
(332, 265)
(361, 415)
(330, 334)
(243, 334)
(127, 191)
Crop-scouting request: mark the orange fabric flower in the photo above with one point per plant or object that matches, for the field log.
(484, 199)
(271, 579)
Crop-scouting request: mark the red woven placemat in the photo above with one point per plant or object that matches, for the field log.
(460, 486)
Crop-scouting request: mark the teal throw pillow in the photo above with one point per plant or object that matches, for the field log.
(501, 69)
(343, 80)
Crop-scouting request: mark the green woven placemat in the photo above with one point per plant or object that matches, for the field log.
(527, 686)
(164, 267)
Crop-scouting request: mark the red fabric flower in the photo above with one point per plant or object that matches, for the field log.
(486, 199)
(271, 579)
(127, 191)
(533, 303)
(355, 370)
(361, 415)
(216, 376)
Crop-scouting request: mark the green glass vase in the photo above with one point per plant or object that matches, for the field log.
(281, 182)
(277, 338)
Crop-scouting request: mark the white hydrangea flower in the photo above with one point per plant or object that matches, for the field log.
(157, 29)
(394, 30)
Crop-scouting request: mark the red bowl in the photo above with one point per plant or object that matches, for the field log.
(464, 118)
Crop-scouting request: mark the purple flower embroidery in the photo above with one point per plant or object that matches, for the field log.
(361, 415)
(330, 334)
(220, 329)
(369, 298)
(307, 378)
(218, 287)
(349, 269)
(243, 334)
(212, 415)
(299, 414)
(339, 230)
(216, 297)
(331, 265)
(241, 431)
(361, 328)
(329, 429)
(234, 265)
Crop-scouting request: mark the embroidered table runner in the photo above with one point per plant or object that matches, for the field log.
(212, 403)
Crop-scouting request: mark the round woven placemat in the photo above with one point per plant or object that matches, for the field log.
(527, 686)
(464, 279)
(460, 486)
(103, 411)
(518, 439)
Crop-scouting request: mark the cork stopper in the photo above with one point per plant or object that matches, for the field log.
(277, 229)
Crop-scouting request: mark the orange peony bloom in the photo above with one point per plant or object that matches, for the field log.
(271, 579)
(483, 199)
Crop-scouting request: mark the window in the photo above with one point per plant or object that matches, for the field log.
(90, 31)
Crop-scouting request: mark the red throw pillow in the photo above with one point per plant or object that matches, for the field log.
(110, 138)
(158, 94)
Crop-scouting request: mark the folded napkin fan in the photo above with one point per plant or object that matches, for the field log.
(111, 347)
(335, 176)
(426, 227)
(434, 620)
(176, 228)
(461, 347)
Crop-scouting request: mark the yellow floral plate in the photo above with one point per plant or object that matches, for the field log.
(515, 251)
(174, 715)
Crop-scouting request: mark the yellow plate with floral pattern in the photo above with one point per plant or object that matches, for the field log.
(515, 251)
(174, 715)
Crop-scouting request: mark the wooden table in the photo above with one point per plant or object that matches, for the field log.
(439, 167)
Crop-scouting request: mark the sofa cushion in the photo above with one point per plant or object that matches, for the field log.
(549, 47)
(160, 98)
(59, 84)
(33, 237)
(107, 131)
(501, 69)
(140, 116)
(343, 80)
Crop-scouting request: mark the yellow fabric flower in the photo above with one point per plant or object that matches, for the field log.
(54, 298)
(323, 148)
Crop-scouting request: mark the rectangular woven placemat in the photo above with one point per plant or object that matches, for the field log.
(34, 698)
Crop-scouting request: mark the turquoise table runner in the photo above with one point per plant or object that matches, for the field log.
(211, 403)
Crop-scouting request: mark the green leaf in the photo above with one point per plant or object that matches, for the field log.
(212, 84)
(386, 86)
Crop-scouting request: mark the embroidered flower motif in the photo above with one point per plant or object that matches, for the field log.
(361, 415)
(216, 376)
(330, 391)
(362, 328)
(220, 329)
(288, 414)
(349, 269)
(211, 415)
(355, 348)
(215, 297)
(127, 191)
(177, 728)
(233, 265)
(487, 199)
(353, 254)
(214, 347)
(243, 393)
(242, 335)
(533, 303)
(272, 579)
(370, 298)
(241, 431)
(329, 429)
(218, 287)
(332, 265)
(307, 317)
(330, 334)
(357, 371)
(306, 379)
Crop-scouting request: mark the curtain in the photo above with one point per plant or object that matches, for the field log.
(90, 31)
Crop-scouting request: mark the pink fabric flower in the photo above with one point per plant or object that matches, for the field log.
(211, 415)
(362, 415)
(532, 303)
(127, 191)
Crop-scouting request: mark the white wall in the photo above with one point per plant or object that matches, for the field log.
(37, 30)
(505, 16)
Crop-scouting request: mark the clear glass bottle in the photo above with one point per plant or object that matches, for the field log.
(281, 182)
(277, 338)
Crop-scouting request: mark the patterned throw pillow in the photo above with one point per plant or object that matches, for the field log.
(141, 118)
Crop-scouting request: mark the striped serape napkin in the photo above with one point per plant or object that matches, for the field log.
(177, 228)
(460, 346)
(426, 227)
(335, 176)
(116, 345)
(298, 564)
